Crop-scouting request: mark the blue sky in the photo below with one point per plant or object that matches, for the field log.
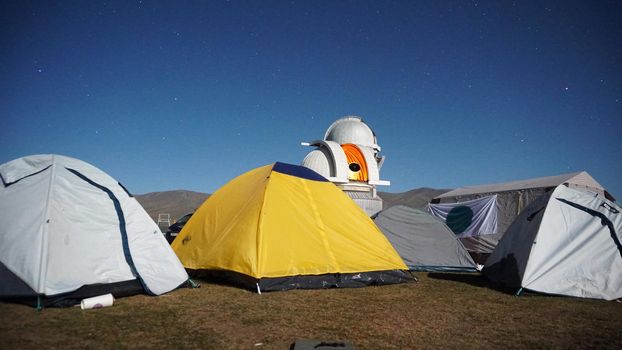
(189, 94)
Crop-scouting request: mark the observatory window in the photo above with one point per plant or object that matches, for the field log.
(354, 167)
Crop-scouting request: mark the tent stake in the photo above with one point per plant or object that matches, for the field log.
(193, 284)
(258, 289)
(519, 291)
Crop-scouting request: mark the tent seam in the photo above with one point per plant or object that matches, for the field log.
(44, 237)
(259, 230)
(7, 184)
(535, 239)
(321, 229)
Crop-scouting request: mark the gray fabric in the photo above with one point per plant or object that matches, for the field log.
(422, 240)
(313, 344)
(481, 244)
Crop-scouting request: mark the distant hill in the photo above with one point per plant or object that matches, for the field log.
(180, 202)
(417, 198)
(176, 203)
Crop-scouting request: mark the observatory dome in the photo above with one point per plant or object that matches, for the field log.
(317, 161)
(351, 129)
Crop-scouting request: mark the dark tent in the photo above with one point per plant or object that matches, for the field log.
(424, 242)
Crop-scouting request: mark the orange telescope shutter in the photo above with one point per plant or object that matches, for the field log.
(355, 156)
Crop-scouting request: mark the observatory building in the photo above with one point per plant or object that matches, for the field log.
(349, 157)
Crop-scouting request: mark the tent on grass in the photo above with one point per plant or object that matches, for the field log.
(565, 243)
(284, 226)
(479, 215)
(69, 231)
(424, 242)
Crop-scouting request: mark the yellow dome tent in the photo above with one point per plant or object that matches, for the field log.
(284, 226)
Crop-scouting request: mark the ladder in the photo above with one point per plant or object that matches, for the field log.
(164, 218)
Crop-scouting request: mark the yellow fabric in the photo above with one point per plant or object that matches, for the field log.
(269, 224)
(354, 155)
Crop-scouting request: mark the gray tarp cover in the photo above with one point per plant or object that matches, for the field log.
(423, 242)
(512, 197)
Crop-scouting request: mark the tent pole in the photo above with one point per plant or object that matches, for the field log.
(39, 307)
(413, 276)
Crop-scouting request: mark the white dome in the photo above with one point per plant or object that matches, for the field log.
(351, 129)
(317, 161)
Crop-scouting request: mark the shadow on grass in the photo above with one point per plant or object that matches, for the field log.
(476, 280)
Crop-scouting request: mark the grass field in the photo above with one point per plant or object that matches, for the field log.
(439, 311)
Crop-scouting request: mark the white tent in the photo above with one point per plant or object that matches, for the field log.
(566, 242)
(68, 231)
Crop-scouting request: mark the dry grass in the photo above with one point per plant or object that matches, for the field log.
(440, 311)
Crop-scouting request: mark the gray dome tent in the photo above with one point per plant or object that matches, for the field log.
(424, 242)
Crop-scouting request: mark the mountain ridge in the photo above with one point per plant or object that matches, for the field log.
(178, 203)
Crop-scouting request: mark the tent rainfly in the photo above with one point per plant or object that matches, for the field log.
(567, 243)
(284, 226)
(424, 242)
(69, 231)
(510, 199)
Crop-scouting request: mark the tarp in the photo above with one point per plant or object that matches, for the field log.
(580, 180)
(424, 242)
(567, 243)
(512, 198)
(476, 217)
(283, 221)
